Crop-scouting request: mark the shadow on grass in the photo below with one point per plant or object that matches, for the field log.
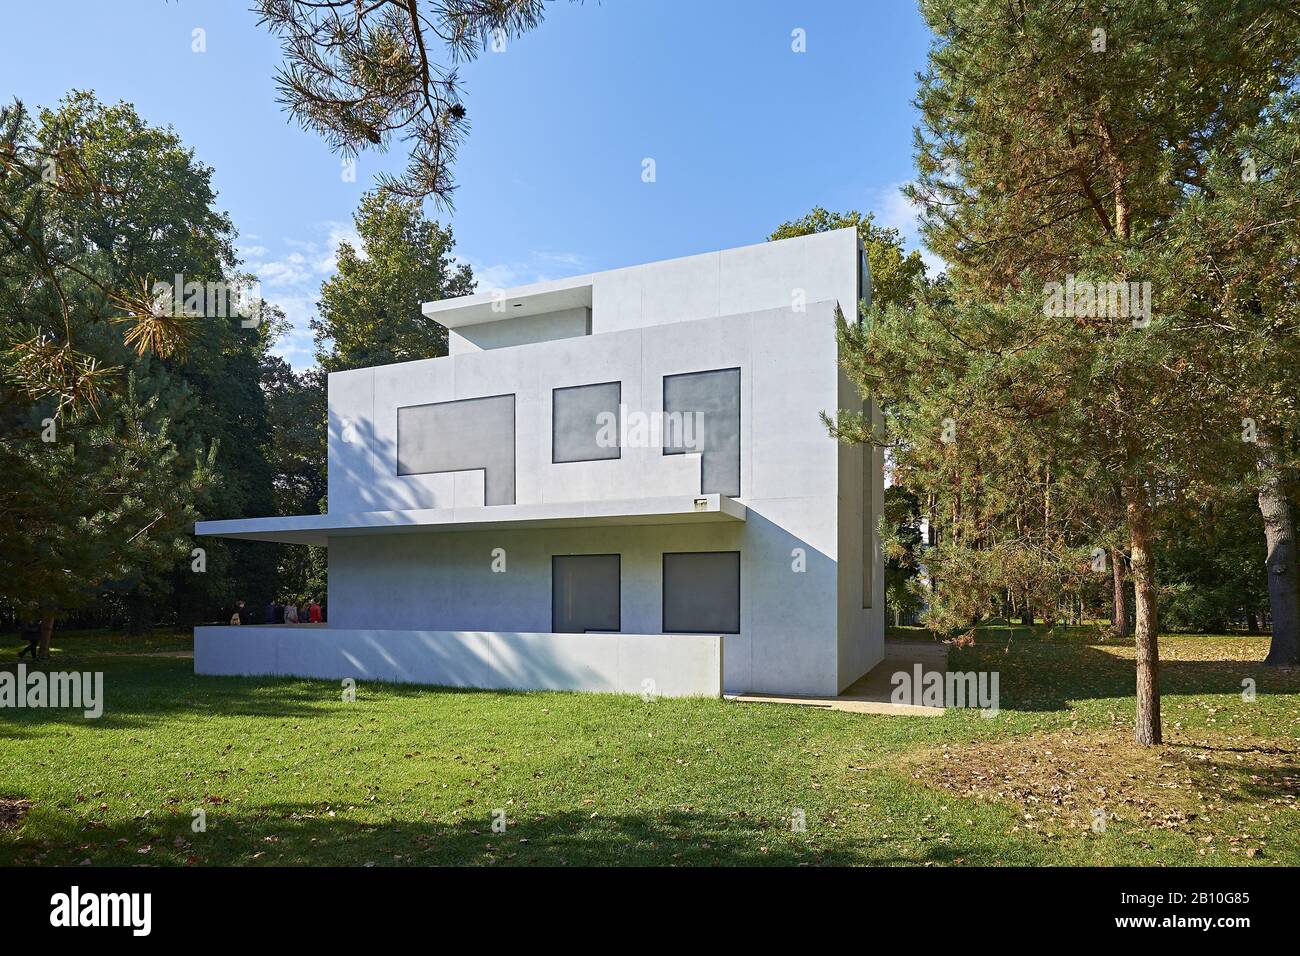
(140, 691)
(290, 834)
(1237, 780)
(1048, 676)
(1042, 674)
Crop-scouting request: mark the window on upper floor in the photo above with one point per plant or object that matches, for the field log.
(702, 413)
(585, 422)
(463, 435)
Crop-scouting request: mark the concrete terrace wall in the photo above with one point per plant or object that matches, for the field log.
(614, 663)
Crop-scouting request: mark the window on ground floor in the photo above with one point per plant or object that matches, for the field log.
(585, 593)
(702, 592)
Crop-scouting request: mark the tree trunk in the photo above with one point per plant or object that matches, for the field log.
(1141, 540)
(1119, 608)
(47, 633)
(1279, 533)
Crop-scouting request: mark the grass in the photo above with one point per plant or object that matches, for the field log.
(286, 772)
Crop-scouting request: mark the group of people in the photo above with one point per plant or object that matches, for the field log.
(281, 612)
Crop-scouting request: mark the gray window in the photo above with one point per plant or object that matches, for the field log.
(465, 435)
(584, 593)
(585, 422)
(702, 413)
(702, 592)
(864, 285)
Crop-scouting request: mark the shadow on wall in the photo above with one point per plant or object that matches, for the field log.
(475, 662)
(355, 448)
(790, 612)
(365, 473)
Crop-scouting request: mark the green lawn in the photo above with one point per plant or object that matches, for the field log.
(287, 772)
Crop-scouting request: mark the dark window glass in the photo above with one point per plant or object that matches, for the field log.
(702, 592)
(584, 593)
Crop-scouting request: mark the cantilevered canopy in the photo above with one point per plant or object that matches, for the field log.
(317, 529)
(519, 302)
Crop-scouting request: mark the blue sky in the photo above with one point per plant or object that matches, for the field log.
(744, 132)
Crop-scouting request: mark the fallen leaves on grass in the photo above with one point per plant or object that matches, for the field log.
(1067, 780)
(12, 812)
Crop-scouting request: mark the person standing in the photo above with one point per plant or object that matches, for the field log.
(290, 613)
(272, 610)
(313, 612)
(241, 614)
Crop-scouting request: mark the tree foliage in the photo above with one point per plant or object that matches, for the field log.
(362, 74)
(894, 272)
(121, 206)
(370, 310)
(1059, 143)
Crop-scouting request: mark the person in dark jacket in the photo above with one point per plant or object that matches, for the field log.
(31, 633)
(272, 612)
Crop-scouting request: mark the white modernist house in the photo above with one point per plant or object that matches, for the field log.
(615, 482)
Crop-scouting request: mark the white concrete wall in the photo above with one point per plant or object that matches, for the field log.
(767, 275)
(823, 267)
(681, 666)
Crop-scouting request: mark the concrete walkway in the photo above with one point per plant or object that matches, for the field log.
(870, 694)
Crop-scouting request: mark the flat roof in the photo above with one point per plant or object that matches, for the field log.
(316, 529)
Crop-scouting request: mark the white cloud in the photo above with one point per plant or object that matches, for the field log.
(895, 211)
(296, 346)
(291, 278)
(292, 270)
(327, 262)
(501, 276)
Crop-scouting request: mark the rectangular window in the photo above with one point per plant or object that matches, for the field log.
(585, 593)
(585, 423)
(702, 592)
(702, 413)
(463, 435)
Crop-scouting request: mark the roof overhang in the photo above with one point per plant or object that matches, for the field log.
(318, 529)
(496, 305)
